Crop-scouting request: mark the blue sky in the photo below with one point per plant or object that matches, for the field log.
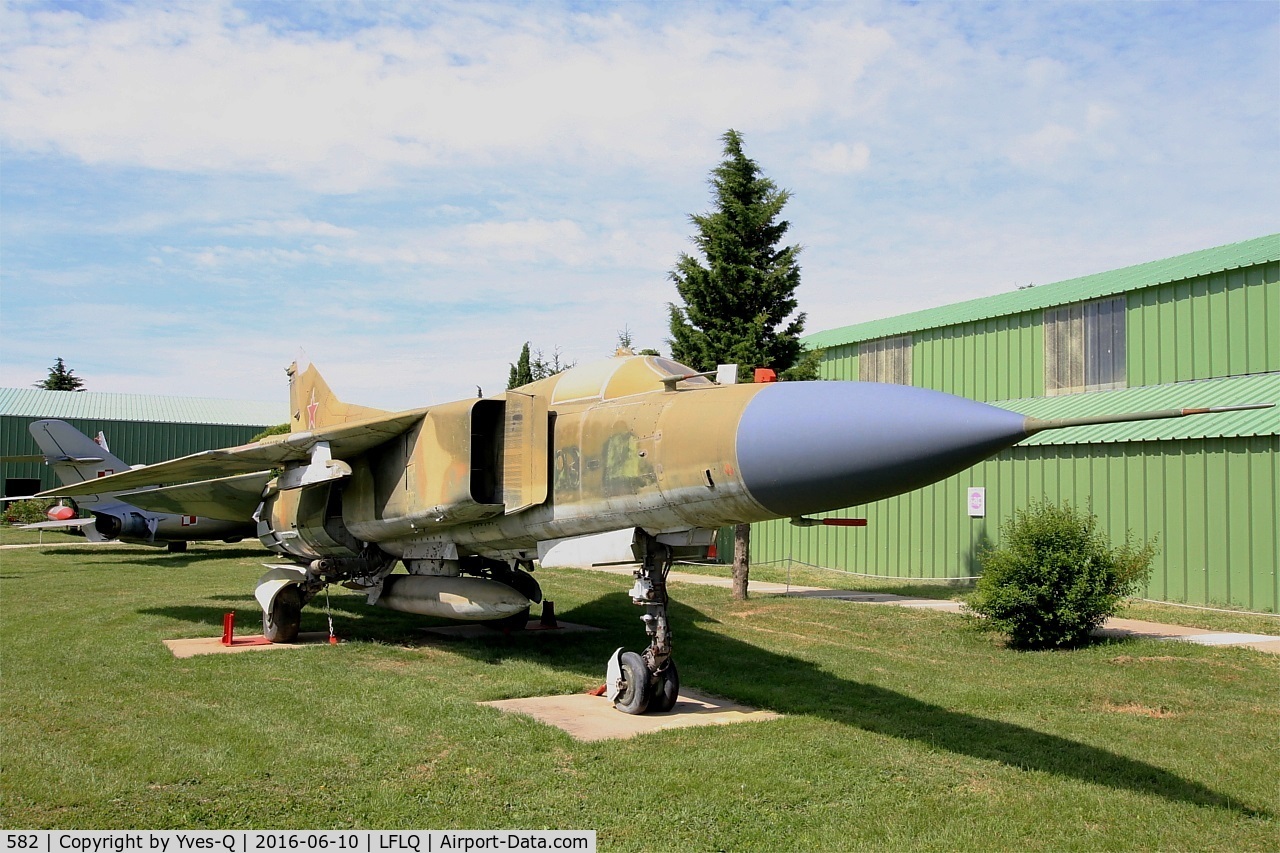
(190, 193)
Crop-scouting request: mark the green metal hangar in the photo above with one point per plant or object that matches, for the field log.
(1201, 329)
(139, 429)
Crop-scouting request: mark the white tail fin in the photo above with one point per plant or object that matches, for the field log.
(74, 456)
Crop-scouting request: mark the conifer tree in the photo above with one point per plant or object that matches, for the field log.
(61, 378)
(530, 367)
(521, 372)
(740, 300)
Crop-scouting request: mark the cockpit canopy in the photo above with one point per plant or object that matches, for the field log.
(621, 376)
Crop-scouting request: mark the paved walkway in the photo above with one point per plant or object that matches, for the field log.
(1112, 627)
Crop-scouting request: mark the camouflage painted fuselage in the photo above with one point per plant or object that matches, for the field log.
(610, 446)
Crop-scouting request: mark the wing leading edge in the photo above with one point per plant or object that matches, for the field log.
(349, 439)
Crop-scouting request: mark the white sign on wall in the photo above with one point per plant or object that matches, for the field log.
(977, 502)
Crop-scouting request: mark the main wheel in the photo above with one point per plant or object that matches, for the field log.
(523, 583)
(667, 692)
(507, 624)
(280, 625)
(635, 691)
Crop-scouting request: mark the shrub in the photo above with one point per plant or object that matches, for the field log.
(1055, 577)
(278, 429)
(27, 512)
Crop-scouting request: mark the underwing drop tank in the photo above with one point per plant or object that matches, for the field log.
(450, 597)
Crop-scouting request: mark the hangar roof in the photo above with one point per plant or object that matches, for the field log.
(1226, 391)
(1204, 262)
(93, 405)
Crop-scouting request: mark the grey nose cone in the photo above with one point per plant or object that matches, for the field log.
(813, 446)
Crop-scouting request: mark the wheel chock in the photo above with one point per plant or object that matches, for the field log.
(548, 619)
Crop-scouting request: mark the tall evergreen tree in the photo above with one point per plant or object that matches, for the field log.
(532, 367)
(740, 300)
(521, 372)
(61, 378)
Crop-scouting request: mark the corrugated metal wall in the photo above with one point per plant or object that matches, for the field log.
(1226, 324)
(1212, 504)
(138, 443)
(996, 359)
(1219, 325)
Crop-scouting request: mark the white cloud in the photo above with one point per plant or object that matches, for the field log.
(201, 90)
(526, 241)
(438, 186)
(285, 228)
(1044, 147)
(841, 159)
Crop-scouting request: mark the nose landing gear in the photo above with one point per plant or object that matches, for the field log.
(648, 682)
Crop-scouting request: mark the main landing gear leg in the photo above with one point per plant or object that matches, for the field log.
(648, 682)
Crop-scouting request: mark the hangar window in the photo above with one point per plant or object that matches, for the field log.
(1084, 347)
(885, 360)
(18, 486)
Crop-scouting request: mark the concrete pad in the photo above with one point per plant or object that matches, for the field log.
(1201, 636)
(475, 630)
(1228, 639)
(943, 604)
(589, 718)
(251, 643)
(1142, 628)
(1271, 645)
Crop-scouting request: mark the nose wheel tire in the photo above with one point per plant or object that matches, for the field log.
(635, 691)
(667, 690)
(280, 624)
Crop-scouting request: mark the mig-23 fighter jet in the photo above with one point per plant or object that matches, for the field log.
(469, 494)
(78, 459)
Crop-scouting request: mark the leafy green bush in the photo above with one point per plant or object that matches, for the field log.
(1055, 577)
(27, 512)
(278, 429)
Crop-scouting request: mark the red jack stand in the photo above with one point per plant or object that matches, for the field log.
(228, 628)
(548, 619)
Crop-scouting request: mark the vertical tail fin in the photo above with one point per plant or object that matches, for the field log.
(313, 406)
(74, 456)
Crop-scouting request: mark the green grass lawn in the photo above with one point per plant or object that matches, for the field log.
(799, 574)
(903, 729)
(13, 534)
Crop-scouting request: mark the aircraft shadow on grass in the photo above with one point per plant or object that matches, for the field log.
(745, 673)
(156, 557)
